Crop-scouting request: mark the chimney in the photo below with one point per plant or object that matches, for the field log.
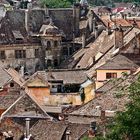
(108, 29)
(94, 25)
(26, 20)
(118, 36)
(27, 126)
(22, 71)
(92, 130)
(83, 40)
(96, 32)
(76, 18)
(91, 22)
(68, 134)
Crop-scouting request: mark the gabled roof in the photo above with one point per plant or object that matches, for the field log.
(108, 100)
(31, 81)
(25, 106)
(118, 62)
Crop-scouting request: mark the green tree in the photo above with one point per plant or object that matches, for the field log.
(57, 3)
(126, 125)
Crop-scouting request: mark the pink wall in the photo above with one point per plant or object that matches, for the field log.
(101, 74)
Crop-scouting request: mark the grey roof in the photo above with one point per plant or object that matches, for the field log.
(17, 34)
(109, 85)
(25, 106)
(119, 62)
(67, 76)
(4, 76)
(57, 130)
(108, 100)
(45, 130)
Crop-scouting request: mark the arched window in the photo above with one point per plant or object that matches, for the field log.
(48, 44)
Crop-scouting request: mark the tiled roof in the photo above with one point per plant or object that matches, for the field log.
(25, 106)
(118, 21)
(45, 130)
(119, 62)
(4, 76)
(67, 76)
(108, 100)
(108, 85)
(57, 130)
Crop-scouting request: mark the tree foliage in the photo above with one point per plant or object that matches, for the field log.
(57, 3)
(126, 125)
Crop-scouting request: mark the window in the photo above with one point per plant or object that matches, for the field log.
(2, 55)
(11, 84)
(48, 44)
(20, 53)
(111, 75)
(55, 43)
(36, 53)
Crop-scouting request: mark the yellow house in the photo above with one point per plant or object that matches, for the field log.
(38, 87)
(116, 67)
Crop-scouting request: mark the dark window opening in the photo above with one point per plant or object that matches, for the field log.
(48, 44)
(20, 54)
(2, 55)
(11, 84)
(36, 53)
(55, 62)
(49, 63)
(55, 43)
(111, 75)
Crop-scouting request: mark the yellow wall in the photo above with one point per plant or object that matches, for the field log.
(89, 92)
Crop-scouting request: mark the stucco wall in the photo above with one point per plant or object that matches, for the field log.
(101, 74)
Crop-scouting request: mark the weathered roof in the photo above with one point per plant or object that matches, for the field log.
(45, 130)
(57, 130)
(118, 62)
(25, 105)
(108, 100)
(17, 34)
(108, 85)
(15, 76)
(4, 76)
(117, 21)
(67, 76)
(49, 30)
